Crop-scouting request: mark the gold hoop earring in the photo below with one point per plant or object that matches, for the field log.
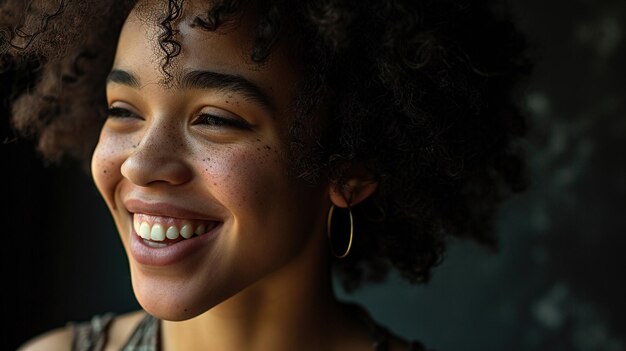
(330, 241)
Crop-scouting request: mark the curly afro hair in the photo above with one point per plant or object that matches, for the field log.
(423, 94)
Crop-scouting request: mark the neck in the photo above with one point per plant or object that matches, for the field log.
(292, 309)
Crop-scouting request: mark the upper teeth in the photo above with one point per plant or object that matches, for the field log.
(158, 228)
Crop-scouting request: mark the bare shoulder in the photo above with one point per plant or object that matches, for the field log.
(56, 339)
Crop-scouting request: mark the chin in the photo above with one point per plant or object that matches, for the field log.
(174, 300)
(170, 314)
(171, 306)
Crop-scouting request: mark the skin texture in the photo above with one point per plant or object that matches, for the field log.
(262, 281)
(163, 153)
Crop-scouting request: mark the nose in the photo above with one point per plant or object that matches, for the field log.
(158, 158)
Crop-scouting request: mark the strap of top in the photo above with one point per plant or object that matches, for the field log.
(92, 335)
(146, 336)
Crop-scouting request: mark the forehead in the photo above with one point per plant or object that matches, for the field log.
(141, 49)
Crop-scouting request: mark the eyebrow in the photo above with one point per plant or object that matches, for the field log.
(205, 80)
(123, 77)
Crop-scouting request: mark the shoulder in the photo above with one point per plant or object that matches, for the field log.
(116, 329)
(57, 339)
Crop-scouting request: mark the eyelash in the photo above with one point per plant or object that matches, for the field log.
(118, 112)
(218, 121)
(203, 118)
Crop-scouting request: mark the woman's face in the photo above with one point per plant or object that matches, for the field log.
(204, 154)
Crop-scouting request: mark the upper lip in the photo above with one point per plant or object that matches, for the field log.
(164, 209)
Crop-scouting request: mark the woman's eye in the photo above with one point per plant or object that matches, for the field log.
(217, 121)
(119, 112)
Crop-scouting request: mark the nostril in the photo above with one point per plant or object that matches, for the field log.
(175, 172)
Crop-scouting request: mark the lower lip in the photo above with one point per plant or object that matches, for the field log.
(171, 254)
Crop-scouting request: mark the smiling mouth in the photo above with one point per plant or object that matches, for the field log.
(161, 231)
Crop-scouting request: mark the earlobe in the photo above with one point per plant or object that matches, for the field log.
(352, 192)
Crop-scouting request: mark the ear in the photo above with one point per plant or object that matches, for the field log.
(352, 192)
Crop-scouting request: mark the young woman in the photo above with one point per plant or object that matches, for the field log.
(247, 147)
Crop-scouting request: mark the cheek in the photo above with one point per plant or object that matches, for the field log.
(270, 211)
(255, 188)
(240, 177)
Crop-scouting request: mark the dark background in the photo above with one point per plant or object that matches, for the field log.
(557, 282)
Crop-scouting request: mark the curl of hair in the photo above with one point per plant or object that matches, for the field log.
(421, 94)
(171, 48)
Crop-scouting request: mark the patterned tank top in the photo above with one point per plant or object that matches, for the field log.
(92, 335)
